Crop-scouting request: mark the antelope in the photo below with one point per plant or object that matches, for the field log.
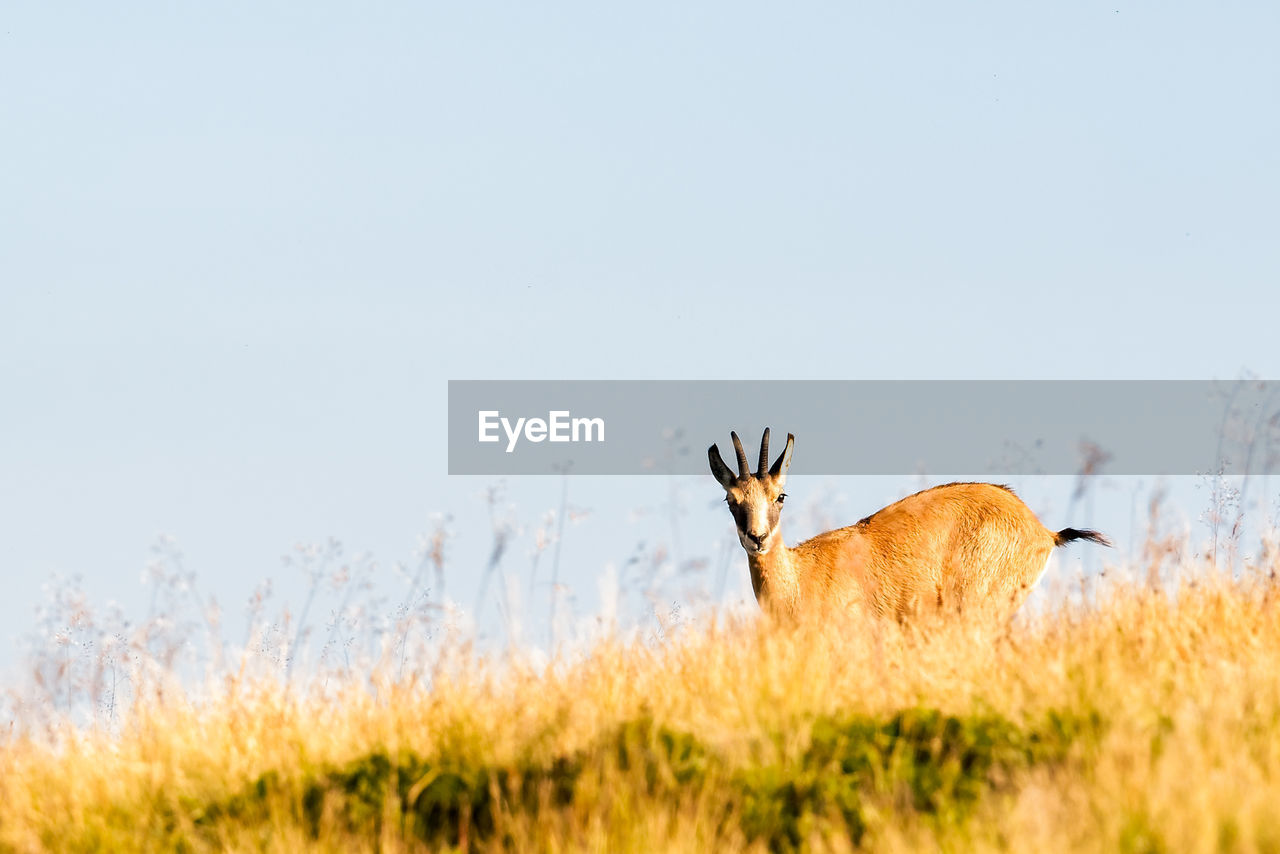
(952, 546)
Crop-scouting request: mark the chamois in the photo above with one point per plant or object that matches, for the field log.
(959, 545)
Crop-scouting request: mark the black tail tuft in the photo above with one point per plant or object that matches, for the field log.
(1067, 535)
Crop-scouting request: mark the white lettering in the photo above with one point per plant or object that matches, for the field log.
(587, 424)
(557, 427)
(512, 435)
(486, 425)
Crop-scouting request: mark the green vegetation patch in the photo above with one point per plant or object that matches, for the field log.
(919, 760)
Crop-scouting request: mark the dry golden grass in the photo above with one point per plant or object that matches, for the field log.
(1147, 720)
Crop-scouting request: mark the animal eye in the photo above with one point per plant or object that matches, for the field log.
(782, 497)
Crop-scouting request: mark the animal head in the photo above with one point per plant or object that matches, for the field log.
(754, 499)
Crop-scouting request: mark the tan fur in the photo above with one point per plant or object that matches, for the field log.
(952, 547)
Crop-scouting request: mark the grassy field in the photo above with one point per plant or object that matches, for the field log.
(1141, 718)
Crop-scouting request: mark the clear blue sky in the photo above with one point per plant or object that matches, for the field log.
(244, 246)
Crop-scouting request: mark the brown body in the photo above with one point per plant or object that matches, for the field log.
(962, 545)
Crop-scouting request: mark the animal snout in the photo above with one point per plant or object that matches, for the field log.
(757, 539)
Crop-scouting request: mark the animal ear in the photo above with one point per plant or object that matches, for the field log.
(783, 462)
(719, 469)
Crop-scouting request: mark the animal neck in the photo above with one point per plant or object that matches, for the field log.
(774, 578)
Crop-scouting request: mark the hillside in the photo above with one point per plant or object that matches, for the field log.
(1139, 718)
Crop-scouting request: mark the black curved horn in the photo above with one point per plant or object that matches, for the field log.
(743, 469)
(764, 454)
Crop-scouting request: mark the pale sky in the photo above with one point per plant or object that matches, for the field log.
(243, 247)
